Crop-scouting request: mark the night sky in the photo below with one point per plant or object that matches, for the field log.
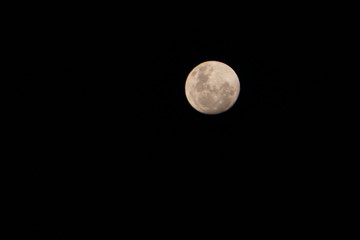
(100, 102)
(101, 83)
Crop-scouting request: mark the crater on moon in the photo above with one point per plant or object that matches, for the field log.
(212, 87)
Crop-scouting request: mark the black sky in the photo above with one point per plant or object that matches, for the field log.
(102, 76)
(100, 99)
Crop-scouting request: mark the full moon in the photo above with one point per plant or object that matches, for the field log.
(212, 87)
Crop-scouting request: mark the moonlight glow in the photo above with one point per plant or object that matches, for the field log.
(212, 87)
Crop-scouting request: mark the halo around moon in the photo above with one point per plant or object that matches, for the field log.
(212, 87)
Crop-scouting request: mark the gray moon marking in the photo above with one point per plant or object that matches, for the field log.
(212, 87)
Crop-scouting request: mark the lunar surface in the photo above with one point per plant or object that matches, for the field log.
(212, 87)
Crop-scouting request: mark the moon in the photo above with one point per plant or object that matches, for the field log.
(212, 87)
